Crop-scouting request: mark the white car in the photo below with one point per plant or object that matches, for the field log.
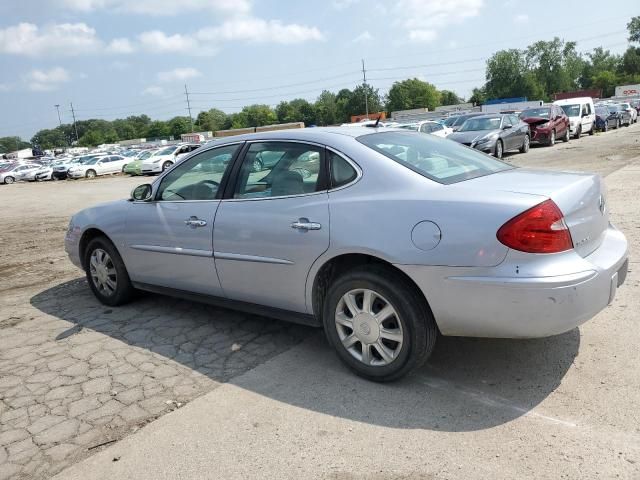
(632, 111)
(165, 157)
(10, 173)
(28, 174)
(44, 173)
(429, 126)
(99, 166)
(581, 113)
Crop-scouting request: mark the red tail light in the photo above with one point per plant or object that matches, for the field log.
(541, 229)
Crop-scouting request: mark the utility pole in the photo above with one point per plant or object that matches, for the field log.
(58, 109)
(364, 84)
(186, 92)
(75, 127)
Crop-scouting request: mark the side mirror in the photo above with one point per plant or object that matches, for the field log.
(142, 193)
(507, 127)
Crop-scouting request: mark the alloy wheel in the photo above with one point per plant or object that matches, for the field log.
(103, 272)
(369, 327)
(8, 180)
(499, 149)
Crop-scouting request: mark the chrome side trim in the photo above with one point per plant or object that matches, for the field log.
(174, 250)
(250, 258)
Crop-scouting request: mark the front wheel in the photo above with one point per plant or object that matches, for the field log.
(106, 273)
(552, 138)
(592, 131)
(525, 144)
(498, 151)
(566, 135)
(378, 324)
(166, 165)
(9, 180)
(578, 133)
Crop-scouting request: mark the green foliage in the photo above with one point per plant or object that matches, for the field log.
(212, 120)
(297, 110)
(10, 144)
(157, 129)
(633, 27)
(412, 93)
(326, 108)
(255, 116)
(91, 138)
(179, 125)
(449, 98)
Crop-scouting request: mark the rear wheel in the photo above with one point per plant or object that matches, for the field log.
(606, 127)
(525, 144)
(566, 135)
(106, 273)
(618, 125)
(498, 151)
(378, 324)
(90, 174)
(592, 131)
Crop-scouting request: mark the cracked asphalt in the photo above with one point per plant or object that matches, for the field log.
(77, 377)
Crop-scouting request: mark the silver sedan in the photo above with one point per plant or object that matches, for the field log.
(385, 238)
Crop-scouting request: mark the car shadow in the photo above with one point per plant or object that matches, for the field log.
(468, 383)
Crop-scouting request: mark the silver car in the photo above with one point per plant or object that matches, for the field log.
(396, 236)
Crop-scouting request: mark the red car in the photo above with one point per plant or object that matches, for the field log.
(546, 124)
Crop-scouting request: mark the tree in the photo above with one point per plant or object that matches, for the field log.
(178, 125)
(449, 98)
(91, 138)
(157, 129)
(633, 27)
(630, 64)
(507, 76)
(258, 115)
(124, 129)
(412, 93)
(606, 81)
(326, 108)
(478, 96)
(51, 138)
(10, 144)
(556, 65)
(342, 105)
(213, 120)
(356, 103)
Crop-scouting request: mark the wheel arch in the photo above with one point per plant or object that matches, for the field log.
(336, 265)
(88, 235)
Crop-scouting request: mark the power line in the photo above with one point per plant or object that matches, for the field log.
(186, 92)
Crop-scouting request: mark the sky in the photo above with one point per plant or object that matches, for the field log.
(114, 58)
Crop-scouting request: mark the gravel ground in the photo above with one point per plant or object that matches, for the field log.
(75, 375)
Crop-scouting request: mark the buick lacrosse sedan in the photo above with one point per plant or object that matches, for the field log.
(382, 237)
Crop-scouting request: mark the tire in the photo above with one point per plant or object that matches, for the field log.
(9, 180)
(619, 124)
(578, 132)
(90, 174)
(552, 139)
(498, 150)
(593, 130)
(123, 167)
(96, 275)
(525, 144)
(166, 165)
(567, 135)
(606, 127)
(411, 322)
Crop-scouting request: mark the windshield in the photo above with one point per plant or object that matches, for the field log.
(474, 124)
(166, 151)
(450, 121)
(436, 158)
(144, 155)
(613, 108)
(602, 111)
(571, 110)
(410, 126)
(536, 112)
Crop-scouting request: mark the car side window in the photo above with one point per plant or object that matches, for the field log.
(199, 177)
(436, 127)
(506, 122)
(341, 171)
(276, 169)
(514, 120)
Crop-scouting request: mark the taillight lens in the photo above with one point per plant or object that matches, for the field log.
(541, 229)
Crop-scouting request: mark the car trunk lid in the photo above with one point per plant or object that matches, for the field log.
(580, 196)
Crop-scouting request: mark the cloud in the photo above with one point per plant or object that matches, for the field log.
(423, 19)
(120, 45)
(160, 7)
(153, 90)
(343, 4)
(54, 39)
(46, 80)
(364, 37)
(522, 18)
(208, 40)
(178, 74)
(422, 36)
(5, 87)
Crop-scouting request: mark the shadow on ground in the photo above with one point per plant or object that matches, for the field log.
(468, 384)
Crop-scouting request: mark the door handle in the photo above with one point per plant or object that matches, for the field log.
(304, 224)
(195, 222)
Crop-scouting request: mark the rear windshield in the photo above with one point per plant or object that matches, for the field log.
(477, 124)
(436, 158)
(536, 112)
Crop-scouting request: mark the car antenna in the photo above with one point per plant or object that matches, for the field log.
(375, 125)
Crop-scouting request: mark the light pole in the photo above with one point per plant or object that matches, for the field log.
(58, 109)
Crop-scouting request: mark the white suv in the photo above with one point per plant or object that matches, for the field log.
(165, 157)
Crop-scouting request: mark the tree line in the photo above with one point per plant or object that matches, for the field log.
(537, 72)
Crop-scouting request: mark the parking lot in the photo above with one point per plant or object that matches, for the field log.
(83, 386)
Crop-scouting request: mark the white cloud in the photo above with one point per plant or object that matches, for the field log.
(207, 41)
(342, 4)
(364, 37)
(53, 39)
(424, 18)
(161, 7)
(153, 90)
(120, 45)
(422, 36)
(178, 74)
(522, 18)
(159, 42)
(46, 80)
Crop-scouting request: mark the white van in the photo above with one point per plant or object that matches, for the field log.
(581, 113)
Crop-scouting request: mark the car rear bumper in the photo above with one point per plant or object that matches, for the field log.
(487, 303)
